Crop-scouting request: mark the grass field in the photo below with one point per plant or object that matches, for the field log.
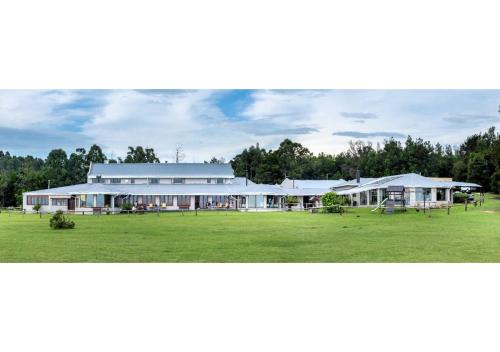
(357, 236)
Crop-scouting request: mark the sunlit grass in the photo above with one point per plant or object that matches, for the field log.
(358, 236)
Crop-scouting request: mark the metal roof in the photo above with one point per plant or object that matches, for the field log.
(354, 182)
(159, 189)
(317, 183)
(306, 191)
(406, 180)
(242, 181)
(189, 170)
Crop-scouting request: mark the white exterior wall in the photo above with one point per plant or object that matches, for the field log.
(195, 181)
(165, 181)
(433, 202)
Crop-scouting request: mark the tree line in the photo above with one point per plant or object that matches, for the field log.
(19, 174)
(477, 159)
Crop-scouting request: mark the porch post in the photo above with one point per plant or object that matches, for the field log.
(112, 204)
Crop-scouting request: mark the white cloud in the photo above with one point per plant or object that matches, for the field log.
(319, 119)
(420, 113)
(32, 108)
(162, 122)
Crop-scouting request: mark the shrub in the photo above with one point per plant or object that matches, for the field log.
(291, 200)
(331, 199)
(126, 206)
(460, 197)
(37, 207)
(59, 221)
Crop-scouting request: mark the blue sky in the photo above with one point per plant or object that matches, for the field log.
(222, 122)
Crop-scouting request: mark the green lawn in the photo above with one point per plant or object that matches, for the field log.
(358, 236)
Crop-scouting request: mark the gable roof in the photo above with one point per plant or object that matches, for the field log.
(323, 184)
(306, 191)
(189, 170)
(354, 182)
(407, 180)
(158, 189)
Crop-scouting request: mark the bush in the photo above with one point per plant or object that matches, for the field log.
(291, 200)
(59, 221)
(126, 206)
(460, 197)
(37, 207)
(331, 199)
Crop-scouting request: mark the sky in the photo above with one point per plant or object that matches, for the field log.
(221, 123)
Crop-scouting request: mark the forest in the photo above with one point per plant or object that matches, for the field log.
(477, 160)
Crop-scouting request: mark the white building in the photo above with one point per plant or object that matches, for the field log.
(157, 186)
(416, 190)
(214, 186)
(309, 192)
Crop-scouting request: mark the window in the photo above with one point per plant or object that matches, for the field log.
(167, 200)
(99, 200)
(251, 201)
(373, 197)
(362, 198)
(179, 181)
(86, 201)
(183, 201)
(256, 201)
(115, 180)
(441, 194)
(219, 200)
(259, 200)
(209, 180)
(384, 193)
(42, 200)
(427, 194)
(203, 202)
(149, 199)
(132, 180)
(220, 181)
(60, 202)
(422, 194)
(154, 181)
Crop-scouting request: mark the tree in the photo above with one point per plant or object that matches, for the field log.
(141, 155)
(291, 157)
(77, 166)
(214, 160)
(95, 155)
(333, 202)
(56, 168)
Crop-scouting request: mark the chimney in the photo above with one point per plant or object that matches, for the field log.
(358, 176)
